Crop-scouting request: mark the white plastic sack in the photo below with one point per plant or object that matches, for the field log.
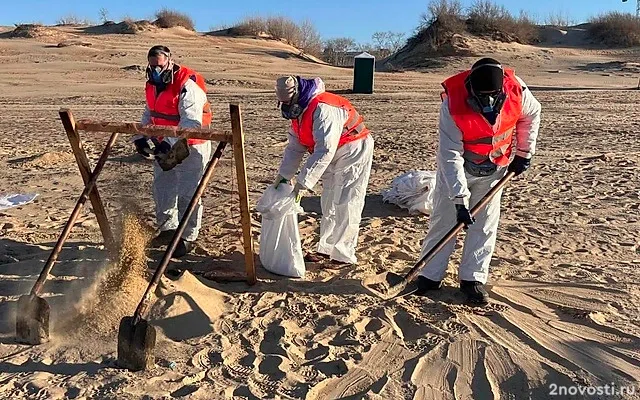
(412, 190)
(16, 200)
(280, 247)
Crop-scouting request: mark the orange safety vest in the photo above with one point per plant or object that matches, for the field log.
(164, 106)
(481, 141)
(354, 129)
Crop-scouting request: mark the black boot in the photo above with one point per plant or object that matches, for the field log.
(425, 285)
(163, 238)
(183, 248)
(475, 292)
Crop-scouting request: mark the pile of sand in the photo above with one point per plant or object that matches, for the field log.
(185, 308)
(35, 31)
(429, 47)
(47, 160)
(575, 36)
(74, 42)
(124, 27)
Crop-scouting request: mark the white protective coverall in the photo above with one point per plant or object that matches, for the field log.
(173, 189)
(454, 184)
(345, 176)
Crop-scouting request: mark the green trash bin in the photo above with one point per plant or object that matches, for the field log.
(363, 69)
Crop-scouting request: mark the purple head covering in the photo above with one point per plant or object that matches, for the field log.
(306, 90)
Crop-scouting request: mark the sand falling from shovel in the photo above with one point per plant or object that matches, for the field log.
(119, 288)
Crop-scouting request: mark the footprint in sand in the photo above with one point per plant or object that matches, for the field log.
(454, 328)
(272, 338)
(238, 360)
(274, 367)
(374, 325)
(495, 307)
(309, 373)
(206, 359)
(410, 327)
(237, 372)
(298, 392)
(324, 323)
(267, 302)
(319, 353)
(224, 326)
(266, 387)
(332, 368)
(346, 337)
(425, 343)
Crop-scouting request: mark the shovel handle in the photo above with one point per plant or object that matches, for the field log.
(37, 287)
(454, 231)
(144, 303)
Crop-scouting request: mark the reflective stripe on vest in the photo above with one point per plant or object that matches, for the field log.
(353, 129)
(163, 107)
(155, 114)
(482, 141)
(354, 125)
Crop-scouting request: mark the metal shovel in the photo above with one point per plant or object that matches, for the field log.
(136, 337)
(32, 317)
(376, 285)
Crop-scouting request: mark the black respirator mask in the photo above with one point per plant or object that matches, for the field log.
(160, 76)
(486, 102)
(291, 110)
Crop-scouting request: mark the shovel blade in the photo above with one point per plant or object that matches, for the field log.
(32, 320)
(136, 343)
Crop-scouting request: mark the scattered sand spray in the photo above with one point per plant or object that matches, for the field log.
(118, 289)
(130, 270)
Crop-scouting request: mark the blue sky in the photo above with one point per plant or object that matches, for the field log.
(333, 18)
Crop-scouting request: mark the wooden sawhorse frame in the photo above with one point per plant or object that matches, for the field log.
(236, 139)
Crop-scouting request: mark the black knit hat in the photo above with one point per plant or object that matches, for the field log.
(486, 75)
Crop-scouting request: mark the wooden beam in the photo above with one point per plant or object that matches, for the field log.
(85, 170)
(241, 171)
(135, 128)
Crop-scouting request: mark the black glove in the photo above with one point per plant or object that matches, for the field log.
(519, 165)
(162, 148)
(146, 146)
(464, 216)
(169, 156)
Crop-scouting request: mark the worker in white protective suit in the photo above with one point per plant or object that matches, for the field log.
(176, 96)
(488, 125)
(340, 150)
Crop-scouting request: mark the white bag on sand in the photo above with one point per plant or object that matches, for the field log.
(280, 247)
(412, 190)
(16, 200)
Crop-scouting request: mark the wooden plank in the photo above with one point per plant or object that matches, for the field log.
(85, 170)
(135, 128)
(241, 171)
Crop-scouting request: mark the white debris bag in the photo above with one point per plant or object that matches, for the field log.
(16, 200)
(412, 190)
(280, 247)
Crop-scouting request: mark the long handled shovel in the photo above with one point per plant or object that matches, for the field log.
(136, 337)
(397, 287)
(32, 319)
